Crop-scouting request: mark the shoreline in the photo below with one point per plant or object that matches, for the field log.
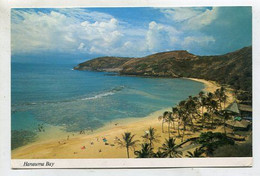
(72, 147)
(210, 86)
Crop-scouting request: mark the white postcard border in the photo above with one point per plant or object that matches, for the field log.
(106, 163)
(132, 163)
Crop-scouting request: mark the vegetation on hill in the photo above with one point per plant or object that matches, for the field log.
(102, 63)
(233, 69)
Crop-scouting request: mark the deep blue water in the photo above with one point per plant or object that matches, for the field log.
(57, 95)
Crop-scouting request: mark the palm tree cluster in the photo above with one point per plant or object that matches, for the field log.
(197, 111)
(190, 114)
(211, 141)
(168, 149)
(221, 97)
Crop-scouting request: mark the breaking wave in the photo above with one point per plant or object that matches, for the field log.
(110, 92)
(97, 96)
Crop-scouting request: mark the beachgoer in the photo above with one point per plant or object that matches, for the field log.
(104, 140)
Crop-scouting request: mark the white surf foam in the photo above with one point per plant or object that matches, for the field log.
(99, 96)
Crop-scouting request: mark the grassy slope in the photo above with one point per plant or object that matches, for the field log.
(234, 69)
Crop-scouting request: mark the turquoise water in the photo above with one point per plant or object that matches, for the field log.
(57, 95)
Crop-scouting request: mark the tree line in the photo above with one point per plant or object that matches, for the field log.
(199, 112)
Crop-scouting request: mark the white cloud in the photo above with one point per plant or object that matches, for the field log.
(86, 31)
(161, 36)
(198, 41)
(84, 15)
(65, 31)
(181, 13)
(191, 18)
(101, 36)
(81, 46)
(37, 31)
(33, 31)
(192, 21)
(78, 30)
(203, 19)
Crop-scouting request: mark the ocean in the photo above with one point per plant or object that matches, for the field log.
(57, 95)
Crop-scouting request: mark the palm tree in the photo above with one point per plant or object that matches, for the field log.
(182, 103)
(226, 115)
(204, 118)
(196, 100)
(197, 153)
(201, 94)
(170, 149)
(222, 89)
(169, 120)
(150, 137)
(202, 100)
(184, 122)
(224, 100)
(210, 96)
(127, 141)
(167, 117)
(212, 109)
(158, 154)
(183, 116)
(221, 96)
(203, 104)
(211, 141)
(145, 152)
(163, 118)
(218, 95)
(177, 113)
(191, 108)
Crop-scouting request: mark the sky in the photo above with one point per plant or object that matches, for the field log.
(75, 34)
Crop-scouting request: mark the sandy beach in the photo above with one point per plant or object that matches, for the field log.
(91, 144)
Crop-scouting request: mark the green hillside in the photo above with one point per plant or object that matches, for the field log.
(234, 69)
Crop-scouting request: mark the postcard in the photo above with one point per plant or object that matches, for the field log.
(113, 87)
